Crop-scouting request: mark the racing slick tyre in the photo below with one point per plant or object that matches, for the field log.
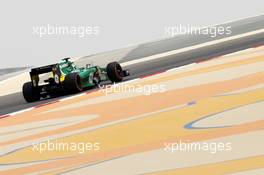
(30, 93)
(114, 72)
(72, 83)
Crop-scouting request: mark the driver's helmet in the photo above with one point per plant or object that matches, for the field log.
(65, 64)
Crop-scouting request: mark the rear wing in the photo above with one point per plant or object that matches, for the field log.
(42, 70)
(35, 72)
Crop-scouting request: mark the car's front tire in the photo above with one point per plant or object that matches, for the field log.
(30, 93)
(114, 72)
(72, 83)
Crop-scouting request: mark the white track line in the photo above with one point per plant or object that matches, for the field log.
(13, 77)
(182, 67)
(238, 52)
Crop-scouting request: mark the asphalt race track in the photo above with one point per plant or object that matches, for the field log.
(14, 102)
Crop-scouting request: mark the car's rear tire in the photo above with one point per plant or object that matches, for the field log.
(30, 93)
(114, 72)
(72, 83)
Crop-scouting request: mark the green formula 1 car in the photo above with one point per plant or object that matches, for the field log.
(67, 78)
